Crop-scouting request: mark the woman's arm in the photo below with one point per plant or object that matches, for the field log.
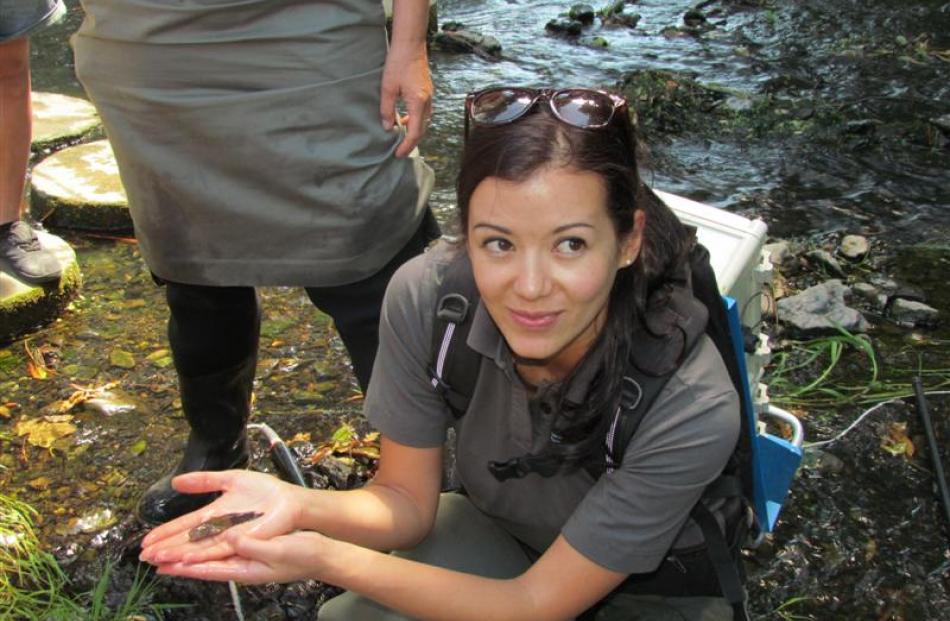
(396, 510)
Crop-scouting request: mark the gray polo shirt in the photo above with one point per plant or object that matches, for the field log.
(626, 520)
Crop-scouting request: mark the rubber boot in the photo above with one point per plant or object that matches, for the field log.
(217, 407)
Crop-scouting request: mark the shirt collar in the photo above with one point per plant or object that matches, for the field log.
(486, 339)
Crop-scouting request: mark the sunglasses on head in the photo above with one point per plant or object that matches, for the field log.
(579, 107)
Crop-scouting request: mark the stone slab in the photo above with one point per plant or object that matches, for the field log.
(60, 119)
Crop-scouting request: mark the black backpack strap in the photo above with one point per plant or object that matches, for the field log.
(454, 366)
(638, 392)
(723, 560)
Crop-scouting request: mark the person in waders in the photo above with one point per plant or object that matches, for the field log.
(257, 146)
(22, 256)
(578, 268)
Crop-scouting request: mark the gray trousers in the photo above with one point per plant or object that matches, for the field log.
(464, 539)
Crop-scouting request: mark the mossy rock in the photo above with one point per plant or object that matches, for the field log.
(79, 188)
(59, 120)
(25, 307)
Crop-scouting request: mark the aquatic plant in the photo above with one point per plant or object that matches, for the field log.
(34, 587)
(841, 369)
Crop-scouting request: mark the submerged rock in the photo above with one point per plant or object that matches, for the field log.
(584, 13)
(564, 27)
(910, 312)
(821, 309)
(468, 42)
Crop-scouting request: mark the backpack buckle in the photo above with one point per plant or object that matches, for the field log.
(630, 393)
(453, 307)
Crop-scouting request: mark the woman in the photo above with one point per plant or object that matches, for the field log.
(571, 255)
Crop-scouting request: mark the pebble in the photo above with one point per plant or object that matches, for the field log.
(853, 247)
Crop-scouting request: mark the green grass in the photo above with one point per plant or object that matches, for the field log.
(33, 587)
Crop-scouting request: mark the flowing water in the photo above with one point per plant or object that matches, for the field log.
(821, 123)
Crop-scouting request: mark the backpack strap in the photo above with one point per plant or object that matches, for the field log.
(638, 392)
(723, 560)
(454, 366)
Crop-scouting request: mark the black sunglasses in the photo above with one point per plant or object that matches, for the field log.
(585, 108)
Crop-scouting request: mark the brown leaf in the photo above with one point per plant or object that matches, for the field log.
(43, 432)
(896, 441)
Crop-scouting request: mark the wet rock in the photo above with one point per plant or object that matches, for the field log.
(468, 42)
(885, 284)
(564, 27)
(821, 309)
(598, 42)
(853, 247)
(942, 123)
(870, 294)
(780, 253)
(824, 259)
(735, 103)
(910, 292)
(452, 26)
(861, 127)
(694, 18)
(621, 20)
(911, 313)
(583, 13)
(821, 461)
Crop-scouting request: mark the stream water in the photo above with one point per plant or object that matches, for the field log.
(821, 125)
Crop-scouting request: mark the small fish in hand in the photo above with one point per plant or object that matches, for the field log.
(219, 524)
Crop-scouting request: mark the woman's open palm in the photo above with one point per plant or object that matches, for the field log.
(242, 491)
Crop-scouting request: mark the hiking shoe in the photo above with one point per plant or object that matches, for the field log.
(22, 256)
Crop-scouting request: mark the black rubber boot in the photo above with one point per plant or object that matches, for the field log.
(217, 407)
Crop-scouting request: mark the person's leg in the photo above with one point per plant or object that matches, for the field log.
(20, 250)
(463, 539)
(213, 332)
(16, 123)
(355, 307)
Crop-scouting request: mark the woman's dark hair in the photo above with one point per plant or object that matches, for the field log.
(514, 152)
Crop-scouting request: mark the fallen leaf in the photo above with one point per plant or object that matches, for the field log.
(39, 483)
(36, 371)
(43, 432)
(896, 441)
(138, 448)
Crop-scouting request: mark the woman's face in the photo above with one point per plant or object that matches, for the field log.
(545, 255)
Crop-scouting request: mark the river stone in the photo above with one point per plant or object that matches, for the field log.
(79, 187)
(584, 13)
(780, 252)
(598, 42)
(694, 18)
(825, 260)
(568, 27)
(910, 312)
(59, 119)
(942, 123)
(468, 42)
(821, 309)
(853, 247)
(870, 294)
(25, 307)
(624, 20)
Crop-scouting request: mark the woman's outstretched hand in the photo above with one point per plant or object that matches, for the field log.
(242, 491)
(286, 558)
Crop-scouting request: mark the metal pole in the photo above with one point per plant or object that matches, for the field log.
(934, 452)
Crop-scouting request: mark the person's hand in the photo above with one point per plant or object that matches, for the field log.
(406, 77)
(297, 556)
(242, 491)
